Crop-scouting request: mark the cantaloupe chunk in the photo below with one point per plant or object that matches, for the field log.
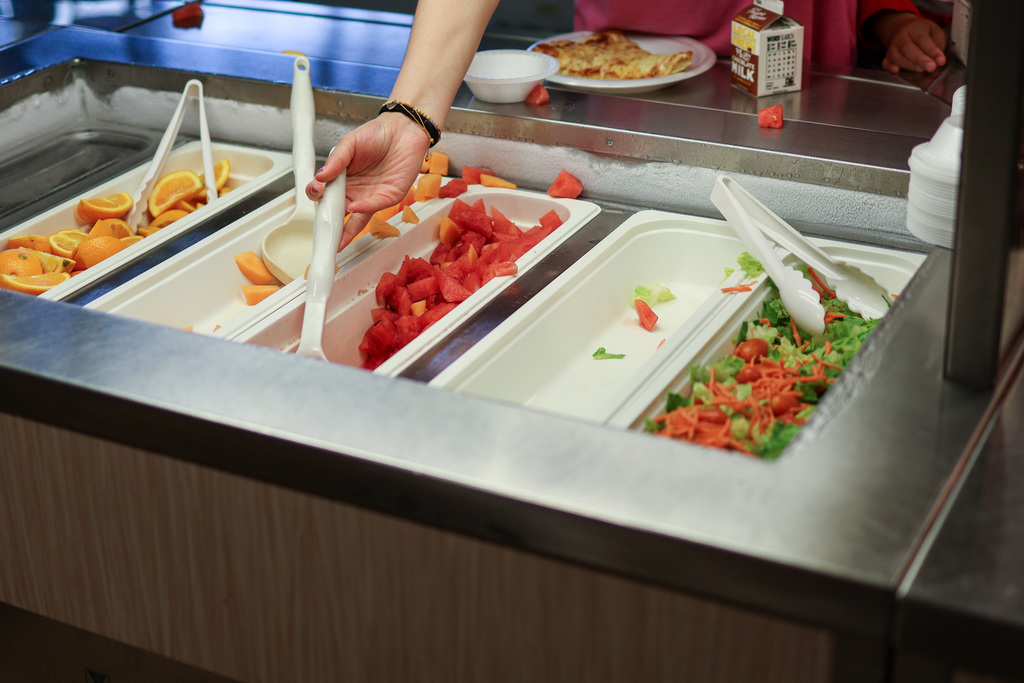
(448, 232)
(257, 293)
(381, 229)
(419, 307)
(409, 216)
(428, 187)
(386, 214)
(253, 268)
(494, 181)
(438, 163)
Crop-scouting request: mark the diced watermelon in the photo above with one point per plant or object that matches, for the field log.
(189, 15)
(406, 329)
(400, 301)
(503, 225)
(480, 206)
(382, 336)
(403, 272)
(469, 237)
(458, 206)
(440, 254)
(498, 270)
(423, 288)
(647, 317)
(770, 117)
(436, 313)
(538, 95)
(566, 185)
(387, 284)
(457, 269)
(472, 281)
(551, 220)
(451, 290)
(453, 188)
(472, 175)
(419, 269)
(378, 313)
(477, 221)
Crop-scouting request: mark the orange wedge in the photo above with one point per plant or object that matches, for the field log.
(38, 242)
(19, 262)
(114, 206)
(96, 249)
(168, 217)
(32, 284)
(220, 174)
(128, 241)
(101, 228)
(171, 189)
(52, 263)
(147, 230)
(65, 242)
(116, 227)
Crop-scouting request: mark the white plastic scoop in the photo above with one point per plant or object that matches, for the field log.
(287, 248)
(193, 89)
(327, 225)
(861, 292)
(799, 297)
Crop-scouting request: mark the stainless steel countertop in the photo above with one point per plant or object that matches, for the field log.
(825, 534)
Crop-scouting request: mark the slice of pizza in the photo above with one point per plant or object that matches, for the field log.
(611, 55)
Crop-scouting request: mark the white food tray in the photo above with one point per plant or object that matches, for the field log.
(251, 169)
(716, 337)
(201, 287)
(542, 356)
(354, 296)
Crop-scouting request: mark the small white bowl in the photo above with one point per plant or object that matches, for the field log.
(503, 76)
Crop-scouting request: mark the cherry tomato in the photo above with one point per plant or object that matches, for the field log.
(748, 373)
(712, 415)
(784, 403)
(751, 349)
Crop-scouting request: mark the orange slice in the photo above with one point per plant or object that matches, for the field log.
(32, 284)
(168, 217)
(38, 242)
(147, 230)
(112, 226)
(114, 206)
(19, 262)
(52, 263)
(128, 241)
(96, 249)
(65, 242)
(220, 174)
(172, 188)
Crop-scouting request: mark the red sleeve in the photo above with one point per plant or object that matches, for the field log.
(866, 8)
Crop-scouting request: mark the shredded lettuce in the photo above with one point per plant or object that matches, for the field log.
(652, 294)
(602, 354)
(750, 265)
(728, 271)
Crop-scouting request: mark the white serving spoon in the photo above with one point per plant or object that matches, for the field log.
(287, 248)
(799, 297)
(327, 225)
(861, 292)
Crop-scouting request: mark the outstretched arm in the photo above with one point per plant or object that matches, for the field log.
(383, 156)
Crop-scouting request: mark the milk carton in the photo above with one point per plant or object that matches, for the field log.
(767, 49)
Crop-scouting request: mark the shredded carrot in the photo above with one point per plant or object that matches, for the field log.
(828, 347)
(660, 343)
(814, 276)
(765, 321)
(738, 288)
(796, 335)
(827, 365)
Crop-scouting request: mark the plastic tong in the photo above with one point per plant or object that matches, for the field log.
(193, 89)
(861, 292)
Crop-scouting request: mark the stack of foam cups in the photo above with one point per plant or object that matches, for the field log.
(934, 181)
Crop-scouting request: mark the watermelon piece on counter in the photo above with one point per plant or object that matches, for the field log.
(189, 15)
(566, 186)
(538, 95)
(770, 117)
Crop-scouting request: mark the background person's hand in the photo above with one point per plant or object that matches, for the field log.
(912, 42)
(382, 158)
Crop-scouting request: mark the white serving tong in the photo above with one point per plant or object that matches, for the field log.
(861, 292)
(802, 302)
(327, 226)
(193, 90)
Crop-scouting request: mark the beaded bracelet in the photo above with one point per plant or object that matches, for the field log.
(428, 126)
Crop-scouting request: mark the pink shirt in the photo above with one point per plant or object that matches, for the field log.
(830, 26)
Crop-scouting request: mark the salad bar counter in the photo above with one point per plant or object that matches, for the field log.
(482, 487)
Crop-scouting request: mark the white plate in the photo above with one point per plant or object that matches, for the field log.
(703, 59)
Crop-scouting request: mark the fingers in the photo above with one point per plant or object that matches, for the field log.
(917, 46)
(353, 226)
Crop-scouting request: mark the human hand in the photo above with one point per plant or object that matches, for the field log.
(382, 158)
(914, 43)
